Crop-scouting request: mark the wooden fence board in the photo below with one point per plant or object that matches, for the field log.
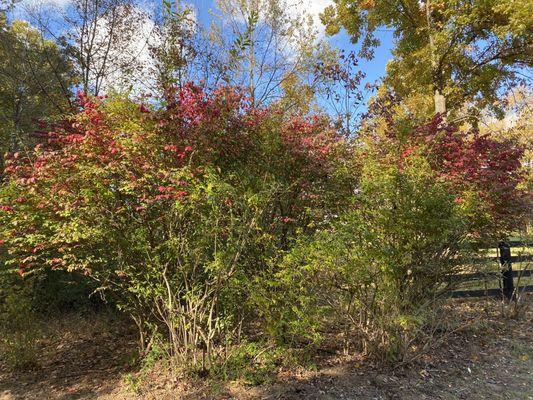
(506, 276)
(487, 292)
(489, 275)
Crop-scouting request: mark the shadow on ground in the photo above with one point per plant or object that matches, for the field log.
(490, 357)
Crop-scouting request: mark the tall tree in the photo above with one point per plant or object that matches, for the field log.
(456, 51)
(177, 48)
(106, 40)
(263, 44)
(35, 80)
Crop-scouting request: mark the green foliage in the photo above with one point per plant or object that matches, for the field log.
(58, 291)
(251, 362)
(244, 40)
(157, 353)
(35, 83)
(378, 266)
(19, 329)
(174, 213)
(207, 220)
(237, 230)
(380, 269)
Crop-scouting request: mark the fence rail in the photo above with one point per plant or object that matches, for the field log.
(506, 275)
(483, 260)
(457, 294)
(511, 243)
(489, 275)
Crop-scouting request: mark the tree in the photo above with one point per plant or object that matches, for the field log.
(107, 41)
(339, 88)
(6, 5)
(458, 52)
(35, 83)
(176, 52)
(517, 126)
(262, 45)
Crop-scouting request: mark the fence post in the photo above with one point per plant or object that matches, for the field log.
(507, 269)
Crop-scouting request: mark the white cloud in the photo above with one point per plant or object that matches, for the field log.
(128, 64)
(311, 8)
(293, 8)
(54, 3)
(315, 8)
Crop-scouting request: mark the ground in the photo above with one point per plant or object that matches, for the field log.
(488, 356)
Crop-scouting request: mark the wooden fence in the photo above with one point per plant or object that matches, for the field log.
(506, 275)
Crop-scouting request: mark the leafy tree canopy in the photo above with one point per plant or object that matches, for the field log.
(35, 82)
(467, 51)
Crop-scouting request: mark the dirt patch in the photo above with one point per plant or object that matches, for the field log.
(487, 357)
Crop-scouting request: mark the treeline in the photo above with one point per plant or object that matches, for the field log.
(241, 203)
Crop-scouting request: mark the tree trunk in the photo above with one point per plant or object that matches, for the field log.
(440, 103)
(438, 97)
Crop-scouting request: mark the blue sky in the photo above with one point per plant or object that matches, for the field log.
(374, 68)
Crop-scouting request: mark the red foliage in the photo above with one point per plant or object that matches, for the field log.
(195, 128)
(472, 160)
(6, 208)
(89, 163)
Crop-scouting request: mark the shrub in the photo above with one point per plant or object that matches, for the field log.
(174, 211)
(380, 269)
(208, 220)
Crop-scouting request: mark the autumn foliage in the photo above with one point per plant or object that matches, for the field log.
(209, 216)
(161, 205)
